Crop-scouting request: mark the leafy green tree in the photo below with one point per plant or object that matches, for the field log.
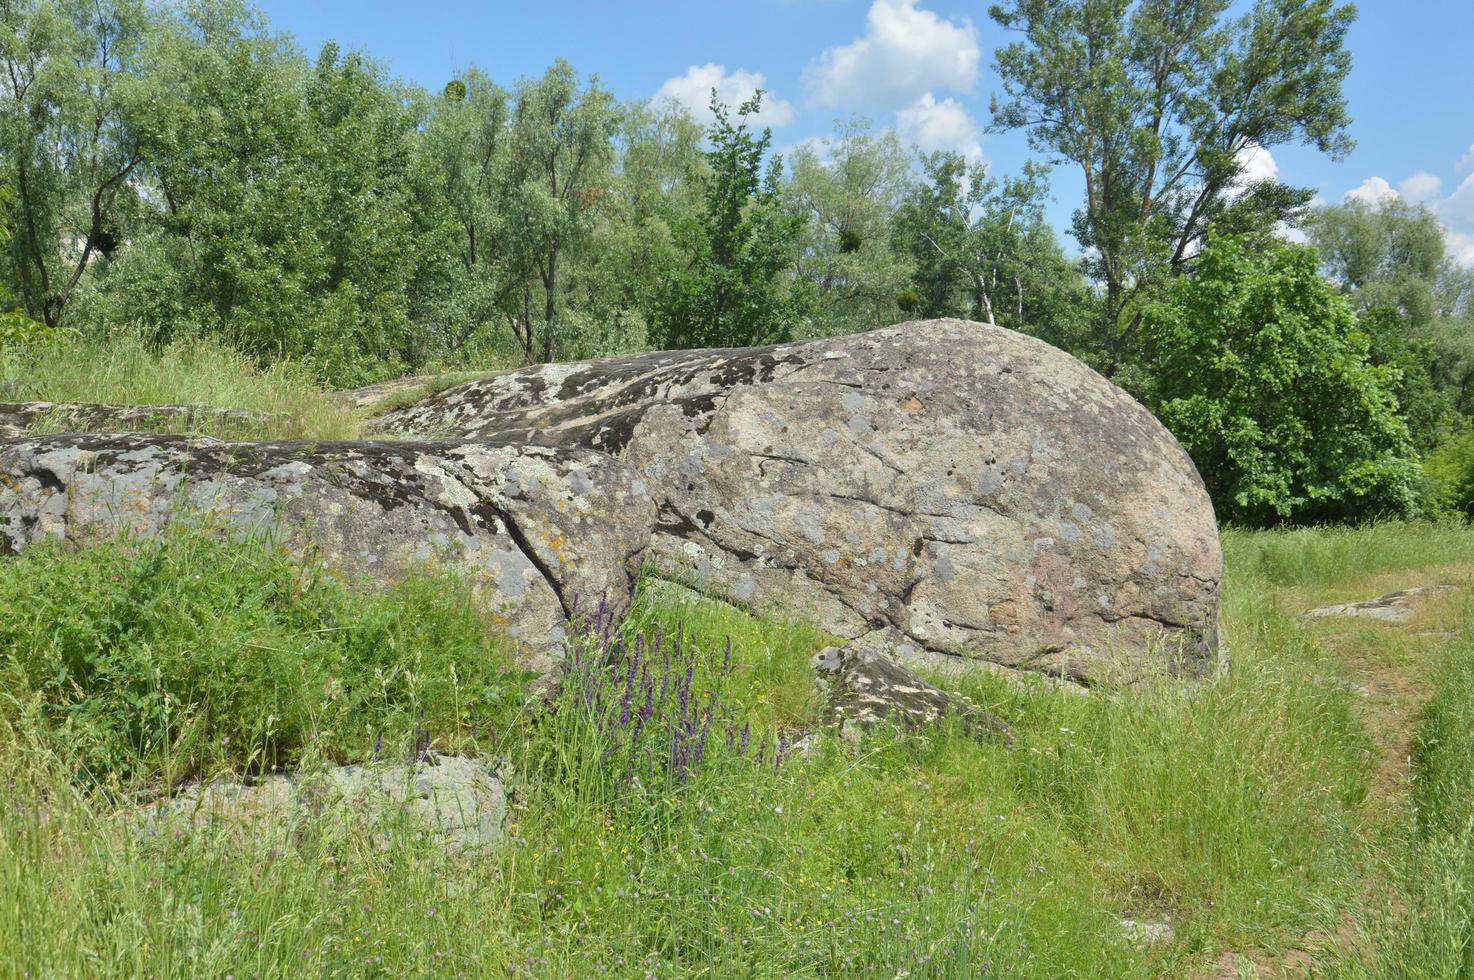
(1390, 260)
(1451, 468)
(1257, 366)
(284, 204)
(1386, 255)
(983, 249)
(732, 289)
(227, 243)
(1159, 103)
(1428, 409)
(71, 101)
(558, 171)
(612, 282)
(847, 189)
(466, 139)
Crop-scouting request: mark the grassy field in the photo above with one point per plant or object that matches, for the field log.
(1311, 811)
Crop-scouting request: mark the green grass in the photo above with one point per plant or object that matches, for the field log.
(122, 370)
(1245, 809)
(156, 660)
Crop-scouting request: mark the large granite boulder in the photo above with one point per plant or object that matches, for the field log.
(536, 528)
(939, 487)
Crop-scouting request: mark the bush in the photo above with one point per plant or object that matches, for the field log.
(180, 655)
(1256, 365)
(1451, 468)
(20, 338)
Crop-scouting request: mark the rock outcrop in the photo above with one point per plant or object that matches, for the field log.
(1394, 607)
(534, 527)
(19, 418)
(941, 486)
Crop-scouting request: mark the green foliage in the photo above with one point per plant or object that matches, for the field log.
(180, 655)
(1451, 467)
(847, 189)
(1159, 104)
(1257, 367)
(1427, 409)
(556, 179)
(982, 249)
(1391, 261)
(1387, 255)
(1235, 811)
(71, 124)
(730, 288)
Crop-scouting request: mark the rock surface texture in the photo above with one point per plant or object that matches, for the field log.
(459, 801)
(942, 487)
(863, 689)
(1394, 607)
(534, 527)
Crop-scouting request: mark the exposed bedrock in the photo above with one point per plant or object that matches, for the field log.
(19, 418)
(535, 527)
(939, 486)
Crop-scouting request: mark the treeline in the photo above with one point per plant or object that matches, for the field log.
(180, 170)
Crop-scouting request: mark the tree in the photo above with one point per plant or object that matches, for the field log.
(731, 291)
(1418, 305)
(558, 171)
(1257, 366)
(983, 249)
(1160, 104)
(71, 98)
(466, 143)
(847, 190)
(1390, 254)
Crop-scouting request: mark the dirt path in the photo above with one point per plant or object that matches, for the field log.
(1387, 666)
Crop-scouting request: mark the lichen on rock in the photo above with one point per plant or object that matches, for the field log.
(937, 488)
(532, 527)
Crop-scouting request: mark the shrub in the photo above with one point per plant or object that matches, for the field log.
(179, 655)
(1451, 468)
(1257, 366)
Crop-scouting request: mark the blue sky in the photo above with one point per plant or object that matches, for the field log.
(922, 67)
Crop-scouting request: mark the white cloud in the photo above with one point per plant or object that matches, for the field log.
(1373, 191)
(1460, 248)
(931, 125)
(1466, 164)
(1457, 214)
(1421, 186)
(905, 51)
(1258, 163)
(693, 91)
(1458, 207)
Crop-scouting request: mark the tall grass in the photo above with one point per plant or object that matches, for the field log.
(120, 369)
(1318, 557)
(1427, 932)
(1235, 810)
(143, 661)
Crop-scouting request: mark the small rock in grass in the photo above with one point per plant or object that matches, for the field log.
(460, 801)
(1145, 933)
(864, 689)
(1394, 607)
